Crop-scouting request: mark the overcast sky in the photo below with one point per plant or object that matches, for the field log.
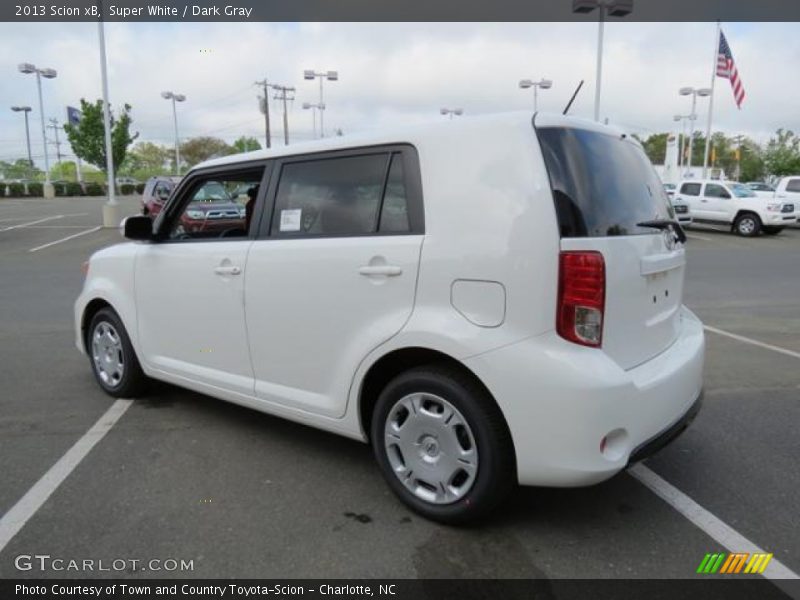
(394, 73)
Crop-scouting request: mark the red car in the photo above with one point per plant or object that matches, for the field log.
(157, 191)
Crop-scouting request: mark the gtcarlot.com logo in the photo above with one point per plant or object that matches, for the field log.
(736, 562)
(45, 562)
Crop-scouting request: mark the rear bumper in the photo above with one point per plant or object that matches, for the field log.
(666, 437)
(577, 418)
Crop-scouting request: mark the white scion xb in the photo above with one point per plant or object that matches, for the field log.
(486, 301)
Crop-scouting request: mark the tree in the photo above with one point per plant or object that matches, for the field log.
(66, 170)
(147, 159)
(246, 144)
(19, 169)
(87, 138)
(782, 154)
(655, 147)
(202, 148)
(751, 161)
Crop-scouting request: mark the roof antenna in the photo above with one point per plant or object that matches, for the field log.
(571, 100)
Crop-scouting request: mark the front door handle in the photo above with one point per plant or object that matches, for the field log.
(228, 270)
(385, 270)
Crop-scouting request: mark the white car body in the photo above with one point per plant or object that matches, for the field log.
(718, 203)
(683, 212)
(308, 321)
(788, 190)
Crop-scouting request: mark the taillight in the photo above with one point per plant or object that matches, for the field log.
(581, 297)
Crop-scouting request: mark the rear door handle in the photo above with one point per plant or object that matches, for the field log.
(228, 270)
(385, 270)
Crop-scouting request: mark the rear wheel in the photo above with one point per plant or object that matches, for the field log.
(111, 354)
(442, 444)
(747, 225)
(772, 230)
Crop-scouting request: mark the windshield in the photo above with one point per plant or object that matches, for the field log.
(740, 190)
(603, 185)
(760, 187)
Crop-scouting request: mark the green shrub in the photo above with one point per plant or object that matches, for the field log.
(60, 188)
(74, 189)
(16, 190)
(95, 189)
(36, 190)
(140, 188)
(126, 189)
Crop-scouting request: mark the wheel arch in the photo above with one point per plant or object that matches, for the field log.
(90, 310)
(391, 364)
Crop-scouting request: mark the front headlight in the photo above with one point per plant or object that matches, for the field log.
(194, 214)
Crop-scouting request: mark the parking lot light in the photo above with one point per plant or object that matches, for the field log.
(544, 84)
(451, 111)
(25, 110)
(175, 98)
(692, 116)
(310, 74)
(611, 8)
(28, 69)
(314, 107)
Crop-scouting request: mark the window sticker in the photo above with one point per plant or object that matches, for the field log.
(290, 219)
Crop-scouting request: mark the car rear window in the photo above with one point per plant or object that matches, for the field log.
(793, 185)
(603, 185)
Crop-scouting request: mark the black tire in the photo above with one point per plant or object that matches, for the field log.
(747, 225)
(772, 230)
(496, 466)
(132, 382)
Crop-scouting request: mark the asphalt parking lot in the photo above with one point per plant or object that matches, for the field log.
(242, 494)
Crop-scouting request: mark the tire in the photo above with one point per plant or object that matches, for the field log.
(453, 415)
(772, 230)
(747, 225)
(114, 363)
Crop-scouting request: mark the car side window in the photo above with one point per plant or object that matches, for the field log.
(330, 196)
(690, 189)
(793, 185)
(217, 207)
(162, 191)
(714, 190)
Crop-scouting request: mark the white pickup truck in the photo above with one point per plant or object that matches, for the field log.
(735, 206)
(788, 190)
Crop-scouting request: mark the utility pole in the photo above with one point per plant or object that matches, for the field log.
(265, 84)
(284, 93)
(55, 127)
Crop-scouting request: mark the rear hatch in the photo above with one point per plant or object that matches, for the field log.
(603, 187)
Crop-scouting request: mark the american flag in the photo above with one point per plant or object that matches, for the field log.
(727, 68)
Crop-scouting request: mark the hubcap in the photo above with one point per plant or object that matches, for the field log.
(747, 225)
(107, 354)
(431, 448)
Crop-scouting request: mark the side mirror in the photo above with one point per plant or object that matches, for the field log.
(138, 227)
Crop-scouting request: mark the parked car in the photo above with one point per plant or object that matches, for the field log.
(788, 190)
(735, 206)
(682, 211)
(761, 189)
(670, 189)
(157, 191)
(488, 301)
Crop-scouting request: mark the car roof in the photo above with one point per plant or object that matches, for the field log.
(485, 126)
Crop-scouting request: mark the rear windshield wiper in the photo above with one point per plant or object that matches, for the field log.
(666, 224)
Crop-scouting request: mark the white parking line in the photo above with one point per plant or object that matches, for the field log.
(21, 225)
(747, 340)
(65, 239)
(692, 236)
(32, 501)
(711, 525)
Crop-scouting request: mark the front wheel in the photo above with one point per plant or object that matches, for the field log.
(111, 354)
(442, 444)
(772, 230)
(747, 225)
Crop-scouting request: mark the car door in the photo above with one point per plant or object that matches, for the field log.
(190, 289)
(334, 273)
(689, 192)
(717, 203)
(791, 193)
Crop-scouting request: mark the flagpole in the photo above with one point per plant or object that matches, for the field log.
(711, 100)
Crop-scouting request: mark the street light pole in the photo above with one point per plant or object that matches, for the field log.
(111, 211)
(314, 108)
(25, 110)
(694, 93)
(545, 84)
(310, 74)
(175, 98)
(451, 112)
(607, 8)
(27, 69)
